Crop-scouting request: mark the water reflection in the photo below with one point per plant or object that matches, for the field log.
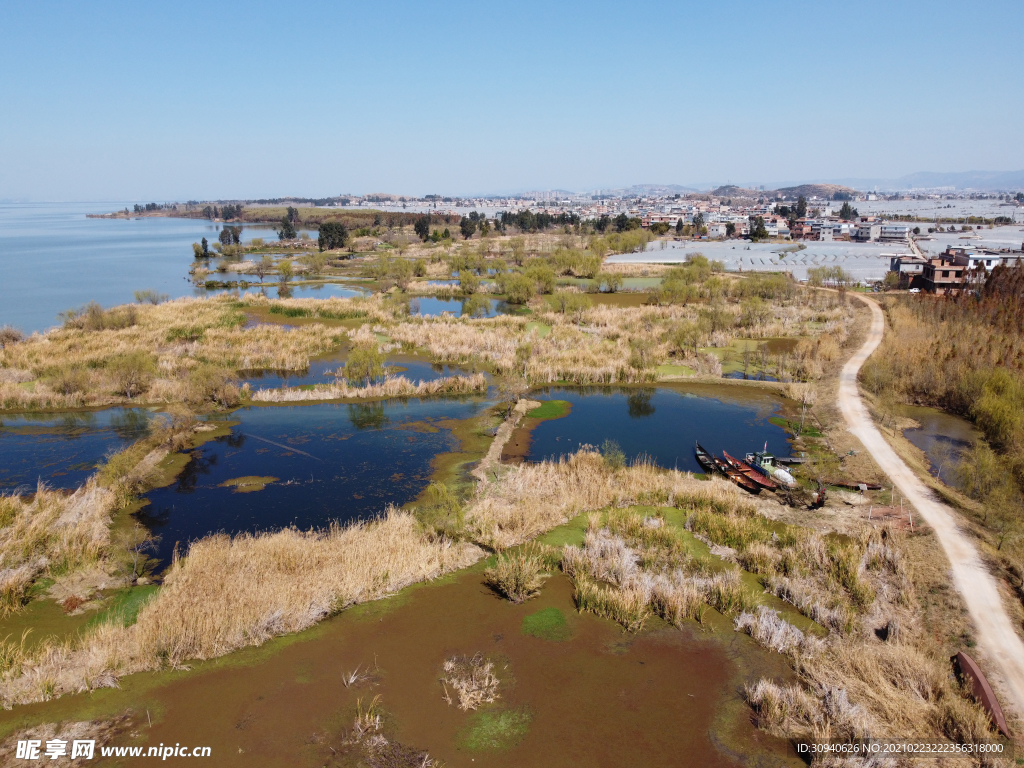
(328, 462)
(63, 449)
(715, 416)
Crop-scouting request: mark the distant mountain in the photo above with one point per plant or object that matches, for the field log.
(827, 191)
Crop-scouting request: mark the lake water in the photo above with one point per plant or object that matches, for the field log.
(334, 462)
(661, 422)
(54, 258)
(63, 449)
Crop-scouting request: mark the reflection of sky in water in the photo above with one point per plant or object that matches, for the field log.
(943, 438)
(478, 306)
(661, 422)
(321, 371)
(63, 449)
(269, 288)
(335, 462)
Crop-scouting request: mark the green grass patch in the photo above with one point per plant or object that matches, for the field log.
(794, 426)
(542, 329)
(248, 484)
(572, 532)
(547, 624)
(320, 313)
(125, 606)
(499, 729)
(550, 409)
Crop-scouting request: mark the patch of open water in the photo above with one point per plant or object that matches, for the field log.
(661, 422)
(63, 449)
(428, 306)
(943, 437)
(332, 462)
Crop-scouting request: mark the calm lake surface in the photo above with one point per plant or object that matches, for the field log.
(63, 449)
(661, 422)
(54, 258)
(334, 462)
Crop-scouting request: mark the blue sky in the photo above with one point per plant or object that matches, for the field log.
(104, 101)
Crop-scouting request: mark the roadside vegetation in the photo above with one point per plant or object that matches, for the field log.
(966, 355)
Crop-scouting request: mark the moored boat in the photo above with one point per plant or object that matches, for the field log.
(764, 462)
(749, 472)
(706, 460)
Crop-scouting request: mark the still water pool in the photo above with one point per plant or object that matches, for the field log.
(482, 307)
(662, 423)
(332, 462)
(62, 450)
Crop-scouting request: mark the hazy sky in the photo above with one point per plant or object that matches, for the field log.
(141, 100)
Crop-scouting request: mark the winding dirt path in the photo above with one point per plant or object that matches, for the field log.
(996, 637)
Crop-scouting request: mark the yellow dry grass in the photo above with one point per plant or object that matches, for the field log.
(50, 533)
(229, 593)
(397, 386)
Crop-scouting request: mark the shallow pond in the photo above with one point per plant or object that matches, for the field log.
(943, 437)
(574, 689)
(328, 462)
(660, 422)
(428, 306)
(322, 371)
(63, 449)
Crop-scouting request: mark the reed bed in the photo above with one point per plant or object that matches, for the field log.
(532, 498)
(50, 533)
(391, 387)
(162, 355)
(229, 593)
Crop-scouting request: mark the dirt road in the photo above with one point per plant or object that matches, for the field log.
(999, 643)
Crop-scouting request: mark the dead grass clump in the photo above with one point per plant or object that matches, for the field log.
(675, 598)
(783, 710)
(772, 631)
(517, 575)
(397, 386)
(50, 533)
(811, 601)
(627, 606)
(473, 680)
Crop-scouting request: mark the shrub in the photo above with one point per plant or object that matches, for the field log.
(365, 363)
(613, 455)
(69, 380)
(517, 288)
(131, 373)
(212, 384)
(10, 335)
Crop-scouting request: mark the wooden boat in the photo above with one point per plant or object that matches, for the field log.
(706, 460)
(735, 475)
(749, 472)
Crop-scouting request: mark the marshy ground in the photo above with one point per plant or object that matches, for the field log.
(677, 621)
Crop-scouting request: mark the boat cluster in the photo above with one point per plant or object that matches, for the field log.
(757, 471)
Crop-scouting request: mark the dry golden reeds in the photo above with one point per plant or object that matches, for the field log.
(391, 387)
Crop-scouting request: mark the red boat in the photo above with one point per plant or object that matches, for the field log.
(749, 472)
